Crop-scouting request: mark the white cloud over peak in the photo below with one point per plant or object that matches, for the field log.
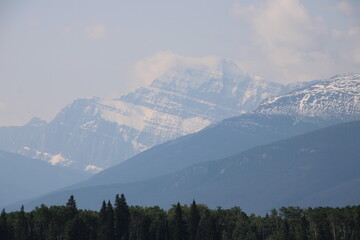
(294, 44)
(239, 11)
(285, 23)
(2, 106)
(345, 7)
(95, 32)
(150, 68)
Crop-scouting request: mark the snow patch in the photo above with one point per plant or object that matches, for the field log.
(124, 113)
(58, 159)
(194, 124)
(93, 169)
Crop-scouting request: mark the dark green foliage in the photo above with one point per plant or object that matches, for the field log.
(82, 227)
(177, 222)
(194, 222)
(71, 204)
(121, 218)
(21, 227)
(106, 222)
(6, 230)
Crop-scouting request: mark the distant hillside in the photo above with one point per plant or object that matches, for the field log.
(226, 138)
(23, 178)
(282, 173)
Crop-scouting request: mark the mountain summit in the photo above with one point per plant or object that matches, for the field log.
(337, 98)
(92, 134)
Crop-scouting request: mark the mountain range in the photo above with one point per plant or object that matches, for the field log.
(193, 115)
(237, 134)
(93, 134)
(303, 170)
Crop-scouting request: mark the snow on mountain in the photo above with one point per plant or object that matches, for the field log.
(56, 159)
(183, 100)
(334, 98)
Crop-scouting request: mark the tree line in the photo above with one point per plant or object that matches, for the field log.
(180, 222)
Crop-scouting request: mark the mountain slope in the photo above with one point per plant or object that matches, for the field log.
(236, 134)
(286, 172)
(93, 134)
(334, 98)
(223, 139)
(23, 178)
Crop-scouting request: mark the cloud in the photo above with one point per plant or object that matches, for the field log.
(286, 23)
(2, 106)
(294, 44)
(96, 32)
(66, 30)
(356, 55)
(345, 7)
(239, 11)
(148, 69)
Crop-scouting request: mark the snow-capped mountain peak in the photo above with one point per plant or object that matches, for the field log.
(337, 97)
(93, 134)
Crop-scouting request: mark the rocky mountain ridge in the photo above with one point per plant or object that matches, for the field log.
(93, 134)
(334, 98)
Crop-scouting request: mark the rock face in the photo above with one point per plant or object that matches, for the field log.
(337, 98)
(93, 134)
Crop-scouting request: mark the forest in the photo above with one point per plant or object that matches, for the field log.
(119, 221)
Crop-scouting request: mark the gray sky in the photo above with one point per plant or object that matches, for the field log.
(53, 52)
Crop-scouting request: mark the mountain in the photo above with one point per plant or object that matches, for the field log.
(93, 134)
(303, 170)
(236, 134)
(24, 178)
(219, 140)
(337, 98)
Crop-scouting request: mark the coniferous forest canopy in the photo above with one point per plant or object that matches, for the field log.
(118, 221)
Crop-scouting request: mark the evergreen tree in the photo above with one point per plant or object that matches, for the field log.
(5, 227)
(121, 218)
(102, 222)
(304, 226)
(285, 230)
(110, 221)
(213, 233)
(42, 218)
(194, 220)
(71, 204)
(179, 225)
(22, 225)
(106, 222)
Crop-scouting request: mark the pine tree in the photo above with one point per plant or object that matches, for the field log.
(304, 226)
(5, 227)
(71, 204)
(285, 230)
(106, 222)
(22, 225)
(194, 220)
(179, 225)
(122, 218)
(110, 221)
(102, 222)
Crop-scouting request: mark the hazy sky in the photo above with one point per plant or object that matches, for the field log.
(53, 52)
